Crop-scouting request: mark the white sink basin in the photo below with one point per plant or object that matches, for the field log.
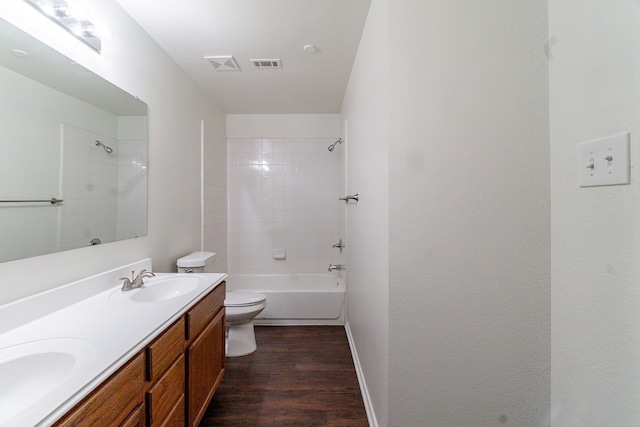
(163, 288)
(32, 371)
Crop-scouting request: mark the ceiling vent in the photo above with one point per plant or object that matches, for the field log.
(266, 64)
(223, 63)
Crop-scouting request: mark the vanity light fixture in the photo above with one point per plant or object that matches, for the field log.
(65, 15)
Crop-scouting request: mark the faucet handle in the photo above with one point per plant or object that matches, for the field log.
(340, 245)
(126, 278)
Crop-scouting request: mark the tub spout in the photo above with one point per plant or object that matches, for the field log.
(337, 267)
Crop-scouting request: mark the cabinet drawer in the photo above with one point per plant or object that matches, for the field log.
(202, 313)
(164, 350)
(113, 401)
(162, 398)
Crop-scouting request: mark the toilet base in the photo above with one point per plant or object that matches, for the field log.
(241, 339)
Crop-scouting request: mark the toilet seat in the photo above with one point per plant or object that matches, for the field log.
(243, 299)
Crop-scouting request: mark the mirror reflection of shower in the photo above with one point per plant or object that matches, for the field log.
(333, 146)
(109, 150)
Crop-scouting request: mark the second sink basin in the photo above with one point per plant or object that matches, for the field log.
(32, 371)
(164, 288)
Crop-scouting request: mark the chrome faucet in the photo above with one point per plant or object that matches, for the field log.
(340, 245)
(337, 267)
(136, 282)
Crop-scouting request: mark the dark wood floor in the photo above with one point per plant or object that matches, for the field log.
(299, 376)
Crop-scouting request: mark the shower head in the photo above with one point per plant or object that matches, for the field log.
(333, 146)
(109, 150)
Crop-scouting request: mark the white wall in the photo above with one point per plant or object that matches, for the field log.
(469, 214)
(366, 114)
(131, 60)
(215, 192)
(594, 71)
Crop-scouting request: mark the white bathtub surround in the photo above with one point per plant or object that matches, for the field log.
(283, 196)
(296, 299)
(92, 319)
(105, 194)
(88, 186)
(132, 177)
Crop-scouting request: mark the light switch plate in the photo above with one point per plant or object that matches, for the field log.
(604, 161)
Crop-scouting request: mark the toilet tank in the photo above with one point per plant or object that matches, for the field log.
(195, 262)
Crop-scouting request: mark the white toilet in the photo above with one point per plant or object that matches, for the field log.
(195, 262)
(241, 307)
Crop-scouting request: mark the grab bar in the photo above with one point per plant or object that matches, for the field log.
(347, 198)
(53, 201)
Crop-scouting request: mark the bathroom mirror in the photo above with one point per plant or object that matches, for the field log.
(66, 134)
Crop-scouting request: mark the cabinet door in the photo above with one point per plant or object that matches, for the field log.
(113, 401)
(205, 368)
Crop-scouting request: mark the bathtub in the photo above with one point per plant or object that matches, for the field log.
(295, 299)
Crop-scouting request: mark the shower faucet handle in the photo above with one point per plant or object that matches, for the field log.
(349, 197)
(340, 245)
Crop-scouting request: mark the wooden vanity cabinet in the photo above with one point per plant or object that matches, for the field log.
(116, 402)
(171, 382)
(205, 353)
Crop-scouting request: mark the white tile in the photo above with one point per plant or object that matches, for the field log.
(266, 146)
(293, 206)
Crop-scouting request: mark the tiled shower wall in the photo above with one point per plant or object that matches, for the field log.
(105, 194)
(132, 177)
(88, 187)
(283, 194)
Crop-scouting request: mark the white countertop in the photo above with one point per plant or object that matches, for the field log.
(105, 327)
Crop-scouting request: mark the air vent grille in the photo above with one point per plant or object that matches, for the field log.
(223, 63)
(266, 64)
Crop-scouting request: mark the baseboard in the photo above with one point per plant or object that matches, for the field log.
(299, 322)
(371, 415)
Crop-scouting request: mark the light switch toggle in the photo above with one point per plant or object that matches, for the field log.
(598, 155)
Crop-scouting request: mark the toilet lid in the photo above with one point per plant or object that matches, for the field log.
(243, 299)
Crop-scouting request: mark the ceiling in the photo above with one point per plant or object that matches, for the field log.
(189, 30)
